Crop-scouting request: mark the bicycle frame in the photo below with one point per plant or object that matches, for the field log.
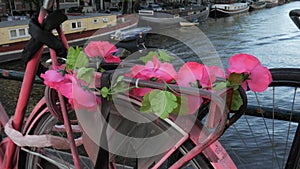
(30, 72)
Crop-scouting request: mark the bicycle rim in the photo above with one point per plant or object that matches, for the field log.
(265, 136)
(49, 157)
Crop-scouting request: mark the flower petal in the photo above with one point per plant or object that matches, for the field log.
(194, 102)
(83, 98)
(242, 63)
(189, 72)
(260, 78)
(112, 59)
(155, 69)
(99, 49)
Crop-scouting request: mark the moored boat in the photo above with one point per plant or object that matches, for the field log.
(271, 3)
(129, 34)
(78, 29)
(256, 5)
(223, 8)
(173, 16)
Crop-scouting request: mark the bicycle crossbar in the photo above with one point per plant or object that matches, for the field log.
(278, 114)
(16, 75)
(159, 85)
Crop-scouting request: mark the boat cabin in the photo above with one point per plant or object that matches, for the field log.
(12, 32)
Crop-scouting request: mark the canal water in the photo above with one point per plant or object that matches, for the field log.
(268, 34)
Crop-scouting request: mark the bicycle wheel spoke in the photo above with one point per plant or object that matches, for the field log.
(289, 125)
(269, 125)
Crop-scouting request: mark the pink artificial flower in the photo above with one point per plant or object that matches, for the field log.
(153, 69)
(83, 99)
(65, 88)
(112, 59)
(194, 102)
(52, 78)
(102, 49)
(55, 80)
(190, 72)
(210, 76)
(68, 86)
(259, 77)
(242, 63)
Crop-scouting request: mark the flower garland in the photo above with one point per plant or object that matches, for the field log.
(73, 80)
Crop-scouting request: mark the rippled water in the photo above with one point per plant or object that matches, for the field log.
(271, 36)
(268, 34)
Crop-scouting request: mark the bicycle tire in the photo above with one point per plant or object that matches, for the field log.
(44, 124)
(267, 135)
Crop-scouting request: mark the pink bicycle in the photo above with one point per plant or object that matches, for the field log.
(55, 135)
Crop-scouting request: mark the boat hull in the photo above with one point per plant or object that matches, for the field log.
(271, 4)
(221, 10)
(257, 6)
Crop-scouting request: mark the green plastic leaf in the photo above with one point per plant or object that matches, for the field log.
(146, 106)
(105, 92)
(237, 101)
(220, 86)
(164, 57)
(235, 80)
(162, 102)
(183, 106)
(149, 56)
(85, 74)
(72, 57)
(119, 87)
(120, 79)
(82, 60)
(161, 55)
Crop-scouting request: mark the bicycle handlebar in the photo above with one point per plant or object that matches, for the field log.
(294, 15)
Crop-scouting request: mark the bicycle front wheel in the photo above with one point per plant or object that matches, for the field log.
(267, 135)
(52, 158)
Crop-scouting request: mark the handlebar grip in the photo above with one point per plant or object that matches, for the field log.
(294, 15)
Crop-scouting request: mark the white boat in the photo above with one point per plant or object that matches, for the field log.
(129, 34)
(227, 9)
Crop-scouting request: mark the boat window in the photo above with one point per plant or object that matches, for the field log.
(13, 33)
(76, 25)
(79, 24)
(18, 33)
(105, 20)
(22, 32)
(96, 20)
